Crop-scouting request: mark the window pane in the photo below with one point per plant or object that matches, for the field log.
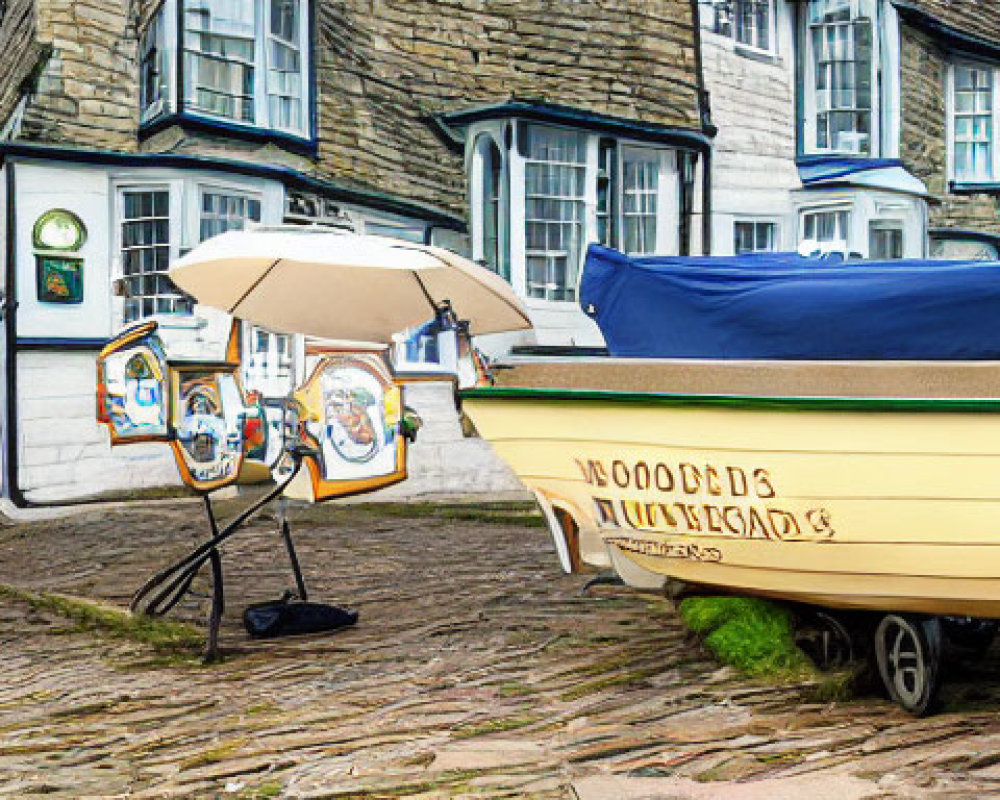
(754, 237)
(219, 57)
(885, 240)
(555, 172)
(226, 212)
(841, 42)
(973, 123)
(154, 70)
(640, 185)
(145, 254)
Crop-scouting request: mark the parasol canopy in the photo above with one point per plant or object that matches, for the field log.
(339, 285)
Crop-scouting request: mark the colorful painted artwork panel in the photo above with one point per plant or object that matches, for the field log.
(132, 388)
(208, 426)
(350, 415)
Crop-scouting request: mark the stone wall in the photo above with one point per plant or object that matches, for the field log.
(87, 93)
(923, 146)
(21, 51)
(385, 66)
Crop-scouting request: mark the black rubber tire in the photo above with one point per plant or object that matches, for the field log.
(826, 639)
(908, 653)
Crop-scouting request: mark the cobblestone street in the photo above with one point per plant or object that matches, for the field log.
(476, 670)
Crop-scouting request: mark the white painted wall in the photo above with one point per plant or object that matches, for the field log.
(63, 453)
(753, 159)
(84, 191)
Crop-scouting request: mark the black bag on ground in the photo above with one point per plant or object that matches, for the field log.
(274, 618)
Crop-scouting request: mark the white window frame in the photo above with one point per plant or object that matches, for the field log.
(175, 200)
(775, 225)
(810, 111)
(175, 46)
(164, 25)
(707, 23)
(825, 247)
(477, 186)
(887, 224)
(210, 187)
(513, 199)
(950, 120)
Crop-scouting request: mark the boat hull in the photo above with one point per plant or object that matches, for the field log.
(854, 503)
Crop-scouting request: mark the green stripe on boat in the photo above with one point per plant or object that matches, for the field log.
(915, 404)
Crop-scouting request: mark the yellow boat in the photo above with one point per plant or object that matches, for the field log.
(853, 485)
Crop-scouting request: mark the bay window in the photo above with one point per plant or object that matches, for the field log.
(242, 61)
(150, 225)
(840, 84)
(540, 192)
(972, 127)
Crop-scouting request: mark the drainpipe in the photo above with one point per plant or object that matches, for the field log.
(705, 117)
(13, 489)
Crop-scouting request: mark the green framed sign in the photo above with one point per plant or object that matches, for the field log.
(59, 279)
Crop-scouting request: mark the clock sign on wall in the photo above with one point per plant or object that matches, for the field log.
(57, 237)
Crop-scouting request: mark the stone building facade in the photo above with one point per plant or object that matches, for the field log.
(515, 132)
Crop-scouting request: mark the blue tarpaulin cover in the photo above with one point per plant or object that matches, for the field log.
(787, 306)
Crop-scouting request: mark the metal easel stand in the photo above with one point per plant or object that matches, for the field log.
(176, 579)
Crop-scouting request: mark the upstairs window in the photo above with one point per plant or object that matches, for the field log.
(748, 22)
(241, 61)
(973, 122)
(219, 61)
(154, 70)
(840, 84)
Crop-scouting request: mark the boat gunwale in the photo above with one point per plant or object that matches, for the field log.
(741, 401)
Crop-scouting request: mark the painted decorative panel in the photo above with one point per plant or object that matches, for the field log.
(131, 387)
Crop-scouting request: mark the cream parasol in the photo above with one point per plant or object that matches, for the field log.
(340, 285)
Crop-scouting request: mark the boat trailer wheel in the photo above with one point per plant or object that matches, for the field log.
(908, 651)
(826, 640)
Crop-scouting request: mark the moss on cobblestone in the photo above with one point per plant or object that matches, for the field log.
(164, 636)
(753, 635)
(496, 726)
(523, 514)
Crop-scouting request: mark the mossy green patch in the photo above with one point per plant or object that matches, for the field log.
(753, 635)
(496, 726)
(164, 636)
(522, 514)
(214, 755)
